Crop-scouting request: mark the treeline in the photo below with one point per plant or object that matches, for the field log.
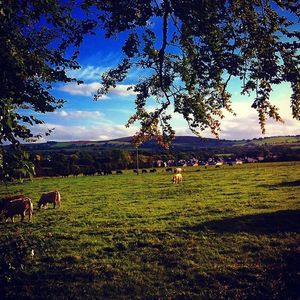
(62, 163)
(87, 163)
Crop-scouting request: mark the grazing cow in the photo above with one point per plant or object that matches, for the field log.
(50, 197)
(177, 178)
(6, 199)
(144, 171)
(178, 170)
(119, 172)
(218, 164)
(20, 206)
(153, 170)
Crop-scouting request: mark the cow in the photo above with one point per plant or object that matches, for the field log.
(19, 206)
(177, 178)
(218, 164)
(153, 170)
(144, 171)
(178, 170)
(50, 197)
(6, 199)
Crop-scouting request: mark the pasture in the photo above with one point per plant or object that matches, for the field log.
(225, 233)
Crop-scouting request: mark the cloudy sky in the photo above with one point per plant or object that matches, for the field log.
(82, 118)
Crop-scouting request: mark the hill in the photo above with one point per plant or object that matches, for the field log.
(180, 143)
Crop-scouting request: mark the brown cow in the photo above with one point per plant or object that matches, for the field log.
(50, 197)
(19, 206)
(177, 178)
(6, 199)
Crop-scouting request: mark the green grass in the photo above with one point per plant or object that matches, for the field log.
(228, 233)
(278, 140)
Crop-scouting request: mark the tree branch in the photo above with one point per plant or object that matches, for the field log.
(161, 54)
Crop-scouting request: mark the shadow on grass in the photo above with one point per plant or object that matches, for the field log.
(267, 223)
(282, 184)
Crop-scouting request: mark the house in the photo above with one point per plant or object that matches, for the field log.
(251, 160)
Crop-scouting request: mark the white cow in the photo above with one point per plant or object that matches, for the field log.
(178, 170)
(219, 164)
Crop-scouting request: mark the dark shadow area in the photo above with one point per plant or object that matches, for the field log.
(282, 184)
(69, 279)
(267, 223)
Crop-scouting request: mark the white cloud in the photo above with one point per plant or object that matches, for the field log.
(94, 125)
(90, 89)
(86, 89)
(88, 73)
(245, 125)
(79, 114)
(121, 90)
(89, 133)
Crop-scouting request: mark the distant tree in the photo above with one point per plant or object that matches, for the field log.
(75, 170)
(60, 164)
(86, 158)
(191, 49)
(35, 53)
(121, 159)
(73, 164)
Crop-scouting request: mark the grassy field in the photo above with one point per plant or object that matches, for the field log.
(228, 233)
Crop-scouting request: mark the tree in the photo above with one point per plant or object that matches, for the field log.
(38, 44)
(60, 164)
(15, 165)
(199, 47)
(188, 62)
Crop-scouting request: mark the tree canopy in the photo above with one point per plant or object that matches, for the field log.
(35, 41)
(199, 47)
(189, 50)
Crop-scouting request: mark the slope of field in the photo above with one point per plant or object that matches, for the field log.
(228, 233)
(180, 143)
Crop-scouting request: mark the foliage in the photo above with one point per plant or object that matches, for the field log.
(190, 50)
(228, 233)
(35, 53)
(15, 164)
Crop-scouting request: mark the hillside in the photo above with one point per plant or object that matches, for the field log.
(181, 143)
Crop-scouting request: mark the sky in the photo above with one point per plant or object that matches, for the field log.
(82, 118)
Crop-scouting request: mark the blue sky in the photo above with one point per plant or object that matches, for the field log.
(82, 118)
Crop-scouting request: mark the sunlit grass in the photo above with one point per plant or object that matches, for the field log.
(231, 233)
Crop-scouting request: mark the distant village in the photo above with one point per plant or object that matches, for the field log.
(210, 162)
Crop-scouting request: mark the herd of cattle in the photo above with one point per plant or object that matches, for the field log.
(20, 205)
(11, 206)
